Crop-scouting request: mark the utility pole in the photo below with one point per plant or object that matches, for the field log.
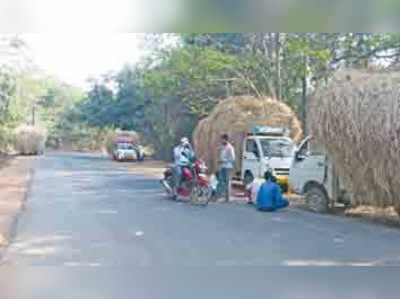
(278, 65)
(304, 96)
(228, 88)
(34, 114)
(304, 103)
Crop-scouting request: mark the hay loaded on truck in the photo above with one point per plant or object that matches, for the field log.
(263, 132)
(125, 147)
(266, 148)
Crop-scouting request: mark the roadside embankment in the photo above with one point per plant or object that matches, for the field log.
(15, 178)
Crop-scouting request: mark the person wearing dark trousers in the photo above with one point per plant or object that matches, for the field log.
(226, 166)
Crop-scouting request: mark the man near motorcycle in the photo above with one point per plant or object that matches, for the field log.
(183, 154)
(226, 166)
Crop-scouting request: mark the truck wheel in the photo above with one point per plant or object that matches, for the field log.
(317, 200)
(248, 178)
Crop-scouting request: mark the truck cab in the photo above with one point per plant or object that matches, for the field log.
(269, 149)
(125, 149)
(314, 176)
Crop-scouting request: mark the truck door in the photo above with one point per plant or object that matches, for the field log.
(251, 159)
(307, 167)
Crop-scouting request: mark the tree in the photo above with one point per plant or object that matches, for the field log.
(184, 76)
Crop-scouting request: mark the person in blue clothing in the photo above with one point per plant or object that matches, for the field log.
(269, 197)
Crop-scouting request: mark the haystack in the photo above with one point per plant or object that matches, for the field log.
(30, 140)
(357, 120)
(110, 137)
(236, 116)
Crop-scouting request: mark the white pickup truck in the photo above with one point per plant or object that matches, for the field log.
(127, 151)
(314, 176)
(267, 148)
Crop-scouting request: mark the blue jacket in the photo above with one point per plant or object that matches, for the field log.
(270, 196)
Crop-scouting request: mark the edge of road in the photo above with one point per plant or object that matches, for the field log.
(16, 178)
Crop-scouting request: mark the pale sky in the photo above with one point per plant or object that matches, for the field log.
(75, 39)
(75, 57)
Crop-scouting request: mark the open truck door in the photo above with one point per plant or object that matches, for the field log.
(251, 161)
(308, 176)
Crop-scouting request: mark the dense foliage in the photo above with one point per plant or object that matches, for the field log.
(27, 95)
(177, 83)
(166, 94)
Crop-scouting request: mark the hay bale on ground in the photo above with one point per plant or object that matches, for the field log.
(357, 120)
(30, 140)
(236, 116)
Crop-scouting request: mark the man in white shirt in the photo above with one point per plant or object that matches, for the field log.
(226, 166)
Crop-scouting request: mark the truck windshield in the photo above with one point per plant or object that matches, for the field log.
(124, 146)
(277, 148)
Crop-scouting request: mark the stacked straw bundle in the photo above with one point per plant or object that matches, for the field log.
(356, 118)
(30, 140)
(112, 136)
(236, 116)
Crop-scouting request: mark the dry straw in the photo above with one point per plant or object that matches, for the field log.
(30, 140)
(235, 116)
(357, 119)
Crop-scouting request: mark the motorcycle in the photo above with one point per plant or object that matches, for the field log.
(195, 186)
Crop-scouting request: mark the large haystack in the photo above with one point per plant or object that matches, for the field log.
(236, 116)
(30, 140)
(357, 119)
(110, 138)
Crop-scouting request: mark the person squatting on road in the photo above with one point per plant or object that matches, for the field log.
(183, 153)
(226, 166)
(269, 197)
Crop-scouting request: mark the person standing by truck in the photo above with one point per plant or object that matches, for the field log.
(226, 166)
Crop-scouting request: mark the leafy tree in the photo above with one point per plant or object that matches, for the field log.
(179, 82)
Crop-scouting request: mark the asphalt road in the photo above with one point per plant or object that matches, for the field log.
(93, 230)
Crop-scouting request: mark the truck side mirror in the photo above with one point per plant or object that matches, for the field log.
(299, 156)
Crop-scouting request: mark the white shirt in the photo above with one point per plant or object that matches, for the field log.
(179, 158)
(227, 156)
(254, 187)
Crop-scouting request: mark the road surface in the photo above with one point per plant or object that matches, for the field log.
(92, 229)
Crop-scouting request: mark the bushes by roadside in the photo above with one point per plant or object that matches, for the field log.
(6, 140)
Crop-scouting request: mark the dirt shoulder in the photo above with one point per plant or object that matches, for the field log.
(386, 216)
(151, 168)
(15, 178)
(4, 160)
